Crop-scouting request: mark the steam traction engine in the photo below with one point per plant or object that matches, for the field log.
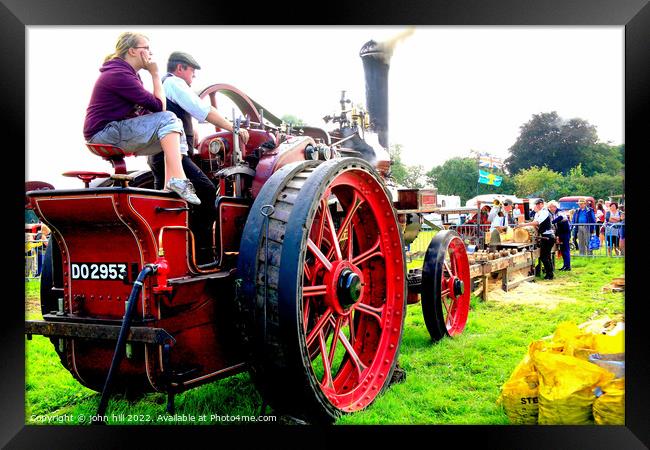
(308, 288)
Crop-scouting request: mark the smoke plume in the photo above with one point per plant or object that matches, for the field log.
(388, 45)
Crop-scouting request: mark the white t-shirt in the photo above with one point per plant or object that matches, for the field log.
(540, 216)
(177, 90)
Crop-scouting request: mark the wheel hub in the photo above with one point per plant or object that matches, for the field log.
(344, 287)
(348, 288)
(459, 287)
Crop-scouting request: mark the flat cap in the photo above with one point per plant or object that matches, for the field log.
(507, 202)
(186, 58)
(539, 200)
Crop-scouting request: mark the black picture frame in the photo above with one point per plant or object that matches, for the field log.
(16, 15)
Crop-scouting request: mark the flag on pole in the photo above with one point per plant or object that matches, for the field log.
(490, 162)
(489, 178)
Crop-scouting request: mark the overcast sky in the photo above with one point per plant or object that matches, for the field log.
(451, 89)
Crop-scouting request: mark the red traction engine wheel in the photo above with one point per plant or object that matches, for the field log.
(445, 286)
(323, 283)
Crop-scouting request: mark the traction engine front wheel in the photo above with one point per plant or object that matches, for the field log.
(323, 279)
(445, 286)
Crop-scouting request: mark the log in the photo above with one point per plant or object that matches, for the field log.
(524, 234)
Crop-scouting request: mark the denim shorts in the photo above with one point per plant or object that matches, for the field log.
(141, 135)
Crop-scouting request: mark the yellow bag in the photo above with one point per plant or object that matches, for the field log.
(566, 388)
(545, 345)
(609, 408)
(607, 344)
(519, 394)
(574, 341)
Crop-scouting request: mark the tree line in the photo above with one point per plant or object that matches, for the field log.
(551, 158)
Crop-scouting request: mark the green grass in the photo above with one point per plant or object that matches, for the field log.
(455, 381)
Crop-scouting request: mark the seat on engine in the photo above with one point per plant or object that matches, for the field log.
(115, 155)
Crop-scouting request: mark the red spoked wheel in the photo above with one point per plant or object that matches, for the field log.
(445, 286)
(333, 287)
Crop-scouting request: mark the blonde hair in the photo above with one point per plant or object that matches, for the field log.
(125, 41)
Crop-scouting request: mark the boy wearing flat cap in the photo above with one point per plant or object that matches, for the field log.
(186, 104)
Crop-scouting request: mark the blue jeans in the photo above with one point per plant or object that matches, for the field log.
(141, 135)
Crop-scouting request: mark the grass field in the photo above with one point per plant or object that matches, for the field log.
(455, 381)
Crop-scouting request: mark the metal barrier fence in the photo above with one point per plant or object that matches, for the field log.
(34, 256)
(610, 242)
(597, 240)
(473, 234)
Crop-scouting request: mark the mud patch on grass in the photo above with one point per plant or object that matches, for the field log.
(540, 294)
(32, 305)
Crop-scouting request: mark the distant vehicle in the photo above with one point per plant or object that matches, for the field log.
(569, 203)
(519, 205)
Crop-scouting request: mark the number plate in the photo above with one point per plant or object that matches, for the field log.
(99, 271)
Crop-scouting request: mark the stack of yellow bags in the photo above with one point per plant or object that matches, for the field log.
(556, 383)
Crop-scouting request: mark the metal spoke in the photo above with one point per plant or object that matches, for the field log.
(312, 291)
(307, 272)
(371, 252)
(337, 328)
(353, 354)
(448, 268)
(318, 254)
(356, 202)
(319, 326)
(370, 310)
(319, 227)
(347, 225)
(350, 242)
(442, 299)
(450, 314)
(327, 375)
(448, 319)
(335, 240)
(305, 314)
(351, 326)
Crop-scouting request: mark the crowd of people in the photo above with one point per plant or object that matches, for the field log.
(602, 226)
(587, 227)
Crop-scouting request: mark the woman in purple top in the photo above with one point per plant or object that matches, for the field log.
(123, 113)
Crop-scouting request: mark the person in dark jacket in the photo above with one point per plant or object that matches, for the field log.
(122, 113)
(585, 220)
(563, 235)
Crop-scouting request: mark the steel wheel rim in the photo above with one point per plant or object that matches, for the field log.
(455, 304)
(352, 337)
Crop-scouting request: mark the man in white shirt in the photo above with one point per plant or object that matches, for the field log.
(542, 222)
(186, 104)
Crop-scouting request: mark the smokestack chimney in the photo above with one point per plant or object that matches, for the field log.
(376, 62)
